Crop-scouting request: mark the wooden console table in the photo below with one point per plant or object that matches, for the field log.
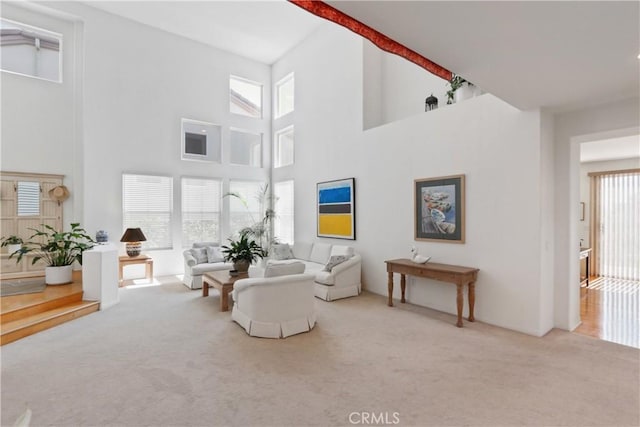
(123, 261)
(457, 275)
(585, 253)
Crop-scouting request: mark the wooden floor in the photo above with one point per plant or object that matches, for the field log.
(26, 314)
(610, 310)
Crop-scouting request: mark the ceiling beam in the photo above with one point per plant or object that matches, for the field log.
(323, 10)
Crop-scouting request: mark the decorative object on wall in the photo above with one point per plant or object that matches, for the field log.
(133, 237)
(439, 209)
(581, 211)
(59, 194)
(336, 209)
(431, 103)
(323, 10)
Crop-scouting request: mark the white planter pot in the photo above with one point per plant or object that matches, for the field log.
(12, 248)
(464, 92)
(58, 275)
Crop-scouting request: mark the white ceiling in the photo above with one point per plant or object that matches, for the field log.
(562, 55)
(260, 30)
(611, 149)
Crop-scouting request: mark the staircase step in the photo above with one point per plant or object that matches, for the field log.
(36, 307)
(39, 321)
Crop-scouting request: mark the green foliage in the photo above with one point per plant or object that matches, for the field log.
(455, 83)
(56, 248)
(11, 240)
(242, 249)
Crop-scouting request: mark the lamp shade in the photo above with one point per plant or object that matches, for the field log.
(133, 237)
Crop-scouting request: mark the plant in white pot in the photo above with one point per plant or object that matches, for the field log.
(58, 249)
(242, 252)
(12, 243)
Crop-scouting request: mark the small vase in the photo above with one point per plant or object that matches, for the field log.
(58, 275)
(241, 265)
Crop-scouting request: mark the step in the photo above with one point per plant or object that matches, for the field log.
(32, 308)
(20, 328)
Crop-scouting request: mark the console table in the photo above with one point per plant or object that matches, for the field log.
(585, 253)
(457, 275)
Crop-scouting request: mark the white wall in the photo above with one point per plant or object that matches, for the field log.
(395, 88)
(138, 84)
(601, 122)
(40, 118)
(495, 145)
(585, 185)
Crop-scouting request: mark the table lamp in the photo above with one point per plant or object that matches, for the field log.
(133, 237)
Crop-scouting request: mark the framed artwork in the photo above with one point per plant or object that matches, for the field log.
(336, 209)
(439, 209)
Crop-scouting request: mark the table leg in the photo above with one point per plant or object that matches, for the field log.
(390, 289)
(587, 270)
(460, 303)
(149, 270)
(120, 274)
(224, 299)
(403, 286)
(472, 300)
(205, 289)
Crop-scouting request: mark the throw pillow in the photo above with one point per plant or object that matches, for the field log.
(281, 251)
(214, 254)
(200, 254)
(275, 270)
(335, 260)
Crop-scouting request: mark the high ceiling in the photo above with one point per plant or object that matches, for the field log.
(563, 55)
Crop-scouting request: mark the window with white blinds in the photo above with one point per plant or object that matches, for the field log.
(246, 205)
(200, 210)
(617, 224)
(147, 202)
(284, 201)
(28, 198)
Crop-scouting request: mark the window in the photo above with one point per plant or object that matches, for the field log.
(246, 204)
(245, 97)
(200, 210)
(284, 96)
(283, 147)
(28, 198)
(146, 202)
(30, 51)
(283, 223)
(200, 141)
(246, 148)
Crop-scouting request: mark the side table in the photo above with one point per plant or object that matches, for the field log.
(123, 261)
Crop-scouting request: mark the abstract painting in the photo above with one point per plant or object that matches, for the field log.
(439, 209)
(337, 209)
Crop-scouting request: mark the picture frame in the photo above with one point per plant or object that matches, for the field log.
(336, 209)
(582, 209)
(439, 209)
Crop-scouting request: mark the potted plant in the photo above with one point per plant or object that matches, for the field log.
(459, 89)
(13, 243)
(58, 249)
(242, 252)
(261, 229)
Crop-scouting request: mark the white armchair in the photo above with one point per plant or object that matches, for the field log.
(275, 307)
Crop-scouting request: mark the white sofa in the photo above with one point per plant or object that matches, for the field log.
(193, 269)
(275, 307)
(344, 280)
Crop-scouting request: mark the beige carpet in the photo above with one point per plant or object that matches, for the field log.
(165, 356)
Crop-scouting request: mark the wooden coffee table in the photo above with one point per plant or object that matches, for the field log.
(223, 283)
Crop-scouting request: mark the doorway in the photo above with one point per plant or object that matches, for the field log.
(609, 226)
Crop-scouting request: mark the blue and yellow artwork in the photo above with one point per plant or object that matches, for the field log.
(336, 209)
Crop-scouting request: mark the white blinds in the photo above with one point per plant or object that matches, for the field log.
(284, 204)
(200, 210)
(28, 198)
(146, 202)
(617, 224)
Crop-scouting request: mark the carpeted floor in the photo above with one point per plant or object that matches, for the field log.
(29, 285)
(165, 356)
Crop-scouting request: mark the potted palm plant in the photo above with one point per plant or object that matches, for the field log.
(58, 249)
(12, 243)
(242, 252)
